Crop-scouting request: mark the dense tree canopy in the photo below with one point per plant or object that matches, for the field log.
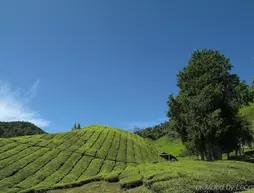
(18, 128)
(205, 110)
(157, 131)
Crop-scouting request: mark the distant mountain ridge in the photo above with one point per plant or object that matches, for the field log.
(19, 128)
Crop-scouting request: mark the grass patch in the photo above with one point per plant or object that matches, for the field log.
(168, 145)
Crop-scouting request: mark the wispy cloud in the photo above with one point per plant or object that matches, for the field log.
(145, 124)
(14, 104)
(31, 93)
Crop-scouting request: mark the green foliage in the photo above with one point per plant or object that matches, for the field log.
(157, 131)
(188, 176)
(248, 113)
(18, 128)
(251, 90)
(131, 177)
(94, 187)
(244, 94)
(55, 159)
(180, 177)
(205, 111)
(169, 145)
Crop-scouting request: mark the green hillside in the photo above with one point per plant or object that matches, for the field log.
(102, 159)
(168, 145)
(47, 160)
(248, 112)
(18, 128)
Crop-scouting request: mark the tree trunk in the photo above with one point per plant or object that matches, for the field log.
(213, 152)
(202, 156)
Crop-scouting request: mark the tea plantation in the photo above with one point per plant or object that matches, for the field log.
(107, 158)
(46, 160)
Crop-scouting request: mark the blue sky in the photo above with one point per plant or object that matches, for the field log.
(110, 62)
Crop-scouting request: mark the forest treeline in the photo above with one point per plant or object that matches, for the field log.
(157, 131)
(18, 128)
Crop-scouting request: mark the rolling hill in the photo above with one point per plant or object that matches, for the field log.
(50, 159)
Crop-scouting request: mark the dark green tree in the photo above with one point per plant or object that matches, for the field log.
(76, 126)
(157, 131)
(19, 128)
(244, 93)
(1, 132)
(205, 111)
(251, 91)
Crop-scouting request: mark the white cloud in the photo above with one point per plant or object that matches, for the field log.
(14, 105)
(145, 124)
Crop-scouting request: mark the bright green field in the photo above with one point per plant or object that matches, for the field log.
(100, 158)
(168, 145)
(248, 112)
